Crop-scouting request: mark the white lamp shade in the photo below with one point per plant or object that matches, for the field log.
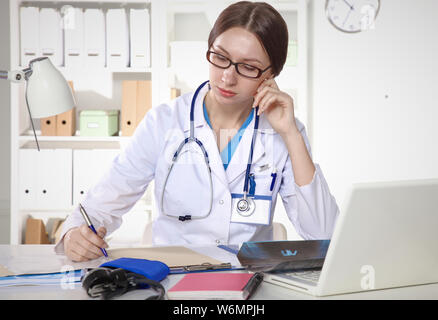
(47, 92)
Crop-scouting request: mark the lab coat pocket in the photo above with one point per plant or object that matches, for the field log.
(266, 182)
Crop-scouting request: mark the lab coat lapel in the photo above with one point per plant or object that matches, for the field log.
(239, 161)
(206, 135)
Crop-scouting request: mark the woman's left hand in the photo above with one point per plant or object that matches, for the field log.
(277, 105)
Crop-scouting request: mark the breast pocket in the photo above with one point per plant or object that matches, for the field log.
(266, 182)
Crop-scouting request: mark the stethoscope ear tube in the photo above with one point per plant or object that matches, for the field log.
(191, 138)
(248, 166)
(249, 203)
(192, 109)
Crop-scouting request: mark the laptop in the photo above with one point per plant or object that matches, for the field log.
(386, 236)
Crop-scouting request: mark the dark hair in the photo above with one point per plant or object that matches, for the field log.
(262, 20)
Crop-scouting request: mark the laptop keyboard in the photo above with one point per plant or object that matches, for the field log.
(308, 275)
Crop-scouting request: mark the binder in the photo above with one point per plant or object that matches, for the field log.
(63, 124)
(36, 232)
(54, 179)
(140, 38)
(88, 167)
(74, 38)
(66, 121)
(136, 102)
(27, 179)
(144, 100)
(117, 38)
(129, 107)
(45, 179)
(174, 93)
(48, 126)
(81, 170)
(29, 34)
(94, 38)
(50, 36)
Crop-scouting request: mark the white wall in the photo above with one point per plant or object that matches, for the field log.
(373, 96)
(5, 128)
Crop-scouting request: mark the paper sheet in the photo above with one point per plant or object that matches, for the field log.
(172, 256)
(65, 279)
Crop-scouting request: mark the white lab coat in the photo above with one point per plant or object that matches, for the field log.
(311, 208)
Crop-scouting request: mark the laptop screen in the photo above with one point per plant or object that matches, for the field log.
(283, 255)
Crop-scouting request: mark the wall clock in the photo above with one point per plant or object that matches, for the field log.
(352, 16)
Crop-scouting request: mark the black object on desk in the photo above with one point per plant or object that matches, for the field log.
(281, 256)
(253, 284)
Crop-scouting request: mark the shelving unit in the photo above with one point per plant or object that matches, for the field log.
(100, 88)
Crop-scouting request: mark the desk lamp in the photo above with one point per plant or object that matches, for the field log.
(47, 91)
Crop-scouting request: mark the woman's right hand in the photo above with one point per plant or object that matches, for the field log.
(82, 244)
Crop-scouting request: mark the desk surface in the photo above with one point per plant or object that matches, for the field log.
(41, 258)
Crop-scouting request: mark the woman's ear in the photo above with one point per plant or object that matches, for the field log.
(270, 76)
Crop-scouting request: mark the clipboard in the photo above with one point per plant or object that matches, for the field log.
(179, 259)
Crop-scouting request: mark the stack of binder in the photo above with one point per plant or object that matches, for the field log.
(94, 38)
(140, 38)
(74, 38)
(86, 37)
(63, 124)
(136, 102)
(117, 38)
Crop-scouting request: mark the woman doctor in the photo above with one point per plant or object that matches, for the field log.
(220, 187)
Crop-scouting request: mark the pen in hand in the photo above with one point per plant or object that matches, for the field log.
(90, 225)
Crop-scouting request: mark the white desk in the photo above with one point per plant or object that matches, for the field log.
(41, 258)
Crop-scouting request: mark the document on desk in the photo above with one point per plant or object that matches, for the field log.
(172, 255)
(57, 278)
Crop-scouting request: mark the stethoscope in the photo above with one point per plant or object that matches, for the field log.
(245, 206)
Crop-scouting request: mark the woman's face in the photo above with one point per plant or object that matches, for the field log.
(239, 45)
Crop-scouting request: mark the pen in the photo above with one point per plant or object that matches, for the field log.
(252, 285)
(90, 225)
(274, 176)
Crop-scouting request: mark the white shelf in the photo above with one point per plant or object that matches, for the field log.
(27, 141)
(91, 1)
(26, 138)
(66, 70)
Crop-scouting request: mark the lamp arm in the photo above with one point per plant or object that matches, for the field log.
(16, 75)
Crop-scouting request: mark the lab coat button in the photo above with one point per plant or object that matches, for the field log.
(218, 242)
(221, 202)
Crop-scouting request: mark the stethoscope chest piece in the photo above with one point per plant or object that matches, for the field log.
(245, 207)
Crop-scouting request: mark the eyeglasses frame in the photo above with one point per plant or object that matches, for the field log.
(235, 64)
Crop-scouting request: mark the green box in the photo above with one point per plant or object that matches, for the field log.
(99, 122)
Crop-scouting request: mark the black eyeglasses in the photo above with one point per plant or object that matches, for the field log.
(243, 69)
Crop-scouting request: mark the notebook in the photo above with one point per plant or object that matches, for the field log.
(211, 285)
